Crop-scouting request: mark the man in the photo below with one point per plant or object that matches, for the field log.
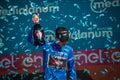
(58, 58)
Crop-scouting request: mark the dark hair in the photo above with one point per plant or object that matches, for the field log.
(62, 34)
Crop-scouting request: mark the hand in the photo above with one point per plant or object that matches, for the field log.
(39, 35)
(35, 18)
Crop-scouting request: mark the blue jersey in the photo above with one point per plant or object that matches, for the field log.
(57, 60)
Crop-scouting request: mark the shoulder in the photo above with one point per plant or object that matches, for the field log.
(68, 47)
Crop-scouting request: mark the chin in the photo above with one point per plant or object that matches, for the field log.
(63, 43)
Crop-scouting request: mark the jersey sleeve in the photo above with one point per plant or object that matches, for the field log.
(30, 36)
(71, 66)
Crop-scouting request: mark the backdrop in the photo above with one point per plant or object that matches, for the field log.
(94, 28)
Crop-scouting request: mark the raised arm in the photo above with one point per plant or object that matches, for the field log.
(36, 35)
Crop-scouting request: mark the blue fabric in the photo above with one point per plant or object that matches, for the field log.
(51, 73)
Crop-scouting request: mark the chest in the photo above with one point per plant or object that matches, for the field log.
(59, 52)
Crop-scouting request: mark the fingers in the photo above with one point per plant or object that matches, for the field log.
(39, 34)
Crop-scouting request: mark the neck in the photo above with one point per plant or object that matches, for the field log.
(62, 44)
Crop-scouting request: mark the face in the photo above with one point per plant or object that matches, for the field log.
(61, 43)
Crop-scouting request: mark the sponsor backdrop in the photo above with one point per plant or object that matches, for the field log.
(94, 27)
